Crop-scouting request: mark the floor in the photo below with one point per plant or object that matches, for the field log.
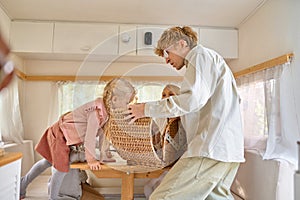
(37, 190)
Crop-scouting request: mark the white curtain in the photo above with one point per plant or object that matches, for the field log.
(283, 144)
(11, 126)
(273, 107)
(261, 94)
(54, 103)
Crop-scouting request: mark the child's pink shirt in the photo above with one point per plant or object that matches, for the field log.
(83, 125)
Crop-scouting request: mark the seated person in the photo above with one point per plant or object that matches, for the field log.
(169, 142)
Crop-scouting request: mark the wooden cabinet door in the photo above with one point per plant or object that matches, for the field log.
(127, 40)
(31, 37)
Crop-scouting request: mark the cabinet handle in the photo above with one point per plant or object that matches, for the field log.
(85, 48)
(125, 37)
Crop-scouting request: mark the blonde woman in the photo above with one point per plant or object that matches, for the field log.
(77, 131)
(210, 113)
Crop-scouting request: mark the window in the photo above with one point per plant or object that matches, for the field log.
(260, 105)
(253, 108)
(74, 94)
(261, 112)
(149, 91)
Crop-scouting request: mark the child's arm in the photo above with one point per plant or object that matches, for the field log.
(90, 140)
(104, 147)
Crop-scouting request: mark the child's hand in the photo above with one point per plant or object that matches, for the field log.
(94, 165)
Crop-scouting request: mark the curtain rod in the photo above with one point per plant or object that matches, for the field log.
(265, 65)
(25, 77)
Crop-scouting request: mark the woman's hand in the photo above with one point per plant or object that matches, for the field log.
(94, 165)
(135, 111)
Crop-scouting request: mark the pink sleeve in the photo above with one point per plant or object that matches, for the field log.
(91, 134)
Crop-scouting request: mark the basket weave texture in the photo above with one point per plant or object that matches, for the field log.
(133, 142)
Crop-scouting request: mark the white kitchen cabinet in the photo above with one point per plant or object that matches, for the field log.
(85, 38)
(31, 37)
(81, 39)
(10, 171)
(154, 33)
(224, 41)
(127, 40)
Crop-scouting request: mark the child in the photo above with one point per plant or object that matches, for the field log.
(171, 139)
(77, 131)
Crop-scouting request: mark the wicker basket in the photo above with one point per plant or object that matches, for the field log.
(137, 143)
(133, 142)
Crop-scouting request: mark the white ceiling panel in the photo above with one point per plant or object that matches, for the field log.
(214, 13)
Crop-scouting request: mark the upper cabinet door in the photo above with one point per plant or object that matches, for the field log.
(147, 37)
(31, 37)
(4, 26)
(127, 40)
(84, 38)
(224, 41)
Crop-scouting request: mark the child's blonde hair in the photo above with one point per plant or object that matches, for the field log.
(116, 87)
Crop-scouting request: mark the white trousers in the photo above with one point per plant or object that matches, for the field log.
(197, 178)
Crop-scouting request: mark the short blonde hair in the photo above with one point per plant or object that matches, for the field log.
(173, 35)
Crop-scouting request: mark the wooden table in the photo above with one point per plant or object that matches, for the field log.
(127, 174)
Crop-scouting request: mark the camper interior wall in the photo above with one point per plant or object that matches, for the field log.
(4, 25)
(26, 148)
(272, 31)
(263, 179)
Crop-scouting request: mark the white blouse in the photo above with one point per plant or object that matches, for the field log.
(208, 106)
